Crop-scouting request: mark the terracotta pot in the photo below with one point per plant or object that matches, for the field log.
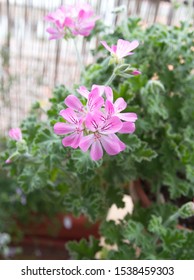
(63, 226)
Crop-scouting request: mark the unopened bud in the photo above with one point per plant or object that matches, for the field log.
(12, 158)
(187, 210)
(122, 68)
(136, 73)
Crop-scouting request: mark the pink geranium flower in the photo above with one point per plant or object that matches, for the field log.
(15, 134)
(122, 49)
(76, 20)
(95, 123)
(73, 127)
(103, 136)
(82, 19)
(115, 109)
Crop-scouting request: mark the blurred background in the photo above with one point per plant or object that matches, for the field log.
(31, 65)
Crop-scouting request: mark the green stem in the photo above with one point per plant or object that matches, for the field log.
(158, 193)
(79, 57)
(171, 219)
(112, 77)
(167, 223)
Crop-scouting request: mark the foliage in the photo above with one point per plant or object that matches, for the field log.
(160, 153)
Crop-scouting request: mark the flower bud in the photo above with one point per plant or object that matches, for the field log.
(136, 73)
(187, 210)
(12, 158)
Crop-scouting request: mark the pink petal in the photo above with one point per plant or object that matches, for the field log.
(83, 29)
(108, 93)
(95, 101)
(69, 115)
(100, 89)
(125, 47)
(104, 43)
(96, 152)
(133, 45)
(55, 34)
(136, 72)
(72, 140)
(61, 128)
(68, 22)
(129, 117)
(104, 89)
(114, 48)
(73, 102)
(109, 109)
(128, 127)
(51, 30)
(83, 91)
(112, 125)
(15, 134)
(84, 15)
(116, 139)
(86, 142)
(93, 121)
(110, 145)
(120, 105)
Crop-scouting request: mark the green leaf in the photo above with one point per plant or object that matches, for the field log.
(84, 249)
(125, 252)
(83, 161)
(190, 173)
(133, 231)
(45, 137)
(33, 178)
(155, 225)
(111, 232)
(144, 153)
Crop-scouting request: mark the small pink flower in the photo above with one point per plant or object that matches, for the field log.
(136, 72)
(73, 127)
(103, 136)
(115, 109)
(15, 134)
(122, 49)
(75, 19)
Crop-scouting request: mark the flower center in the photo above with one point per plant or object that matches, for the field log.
(97, 136)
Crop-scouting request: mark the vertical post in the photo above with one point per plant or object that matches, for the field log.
(156, 9)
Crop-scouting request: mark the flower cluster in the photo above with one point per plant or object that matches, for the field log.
(71, 20)
(15, 134)
(95, 124)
